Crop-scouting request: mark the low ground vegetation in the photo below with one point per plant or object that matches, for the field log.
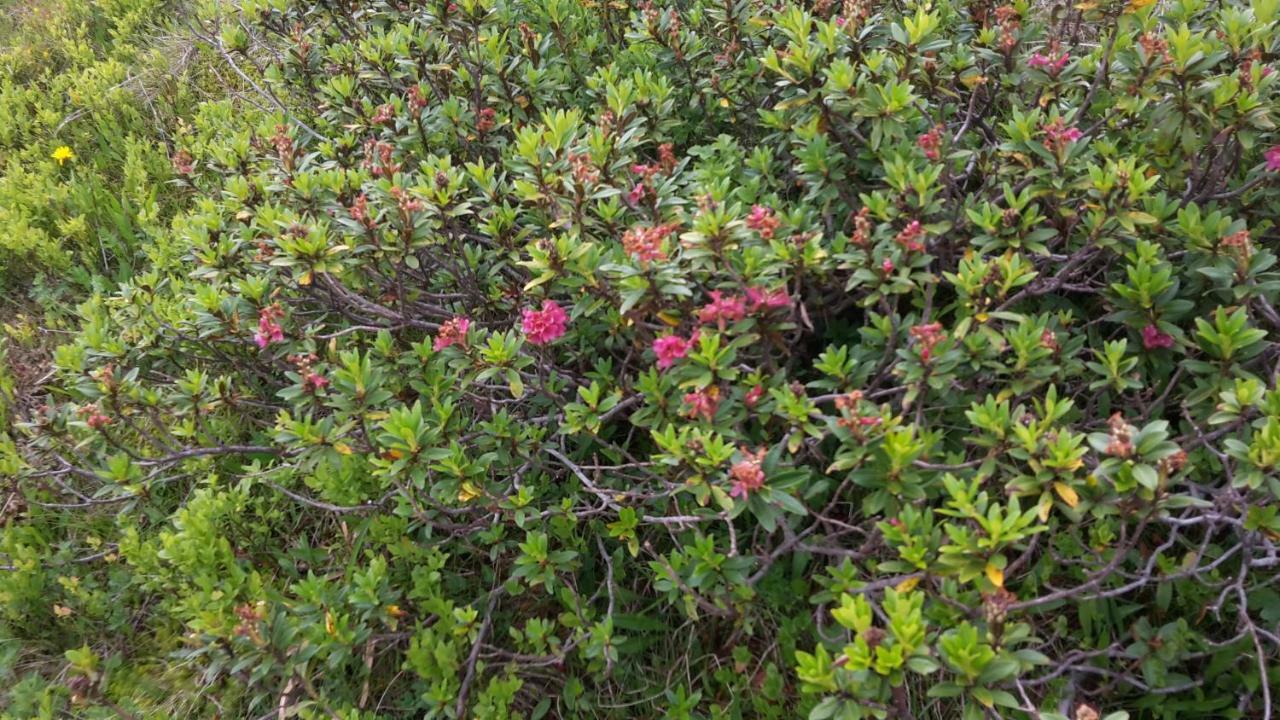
(689, 360)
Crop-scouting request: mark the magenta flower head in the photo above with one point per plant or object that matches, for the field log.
(1153, 339)
(1053, 66)
(931, 142)
(546, 325)
(747, 475)
(1273, 159)
(671, 348)
(636, 195)
(763, 221)
(761, 299)
(703, 403)
(269, 330)
(452, 332)
(723, 309)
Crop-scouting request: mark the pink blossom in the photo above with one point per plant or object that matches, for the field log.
(1057, 135)
(269, 330)
(637, 194)
(760, 299)
(753, 396)
(722, 309)
(910, 237)
(360, 211)
(1273, 159)
(931, 143)
(646, 243)
(671, 348)
(1153, 339)
(747, 475)
(886, 267)
(928, 335)
(545, 325)
(452, 332)
(313, 382)
(1049, 64)
(763, 221)
(703, 403)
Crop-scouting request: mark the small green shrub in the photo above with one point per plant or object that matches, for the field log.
(85, 98)
(694, 360)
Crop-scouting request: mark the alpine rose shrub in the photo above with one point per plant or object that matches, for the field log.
(923, 363)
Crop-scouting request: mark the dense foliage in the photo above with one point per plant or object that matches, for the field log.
(704, 359)
(86, 92)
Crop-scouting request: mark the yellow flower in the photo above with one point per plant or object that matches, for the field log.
(63, 154)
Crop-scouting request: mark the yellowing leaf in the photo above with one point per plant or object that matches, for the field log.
(342, 448)
(305, 279)
(468, 492)
(669, 318)
(1136, 5)
(1046, 504)
(908, 584)
(1067, 493)
(995, 575)
(795, 102)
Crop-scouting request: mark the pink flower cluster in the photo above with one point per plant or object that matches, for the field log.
(313, 382)
(763, 221)
(452, 332)
(671, 348)
(94, 417)
(378, 158)
(546, 325)
(1051, 65)
(1057, 135)
(269, 329)
(637, 194)
(910, 237)
(931, 143)
(703, 403)
(747, 474)
(723, 309)
(928, 336)
(760, 299)
(1273, 159)
(1153, 339)
(851, 417)
(360, 211)
(646, 244)
(417, 100)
